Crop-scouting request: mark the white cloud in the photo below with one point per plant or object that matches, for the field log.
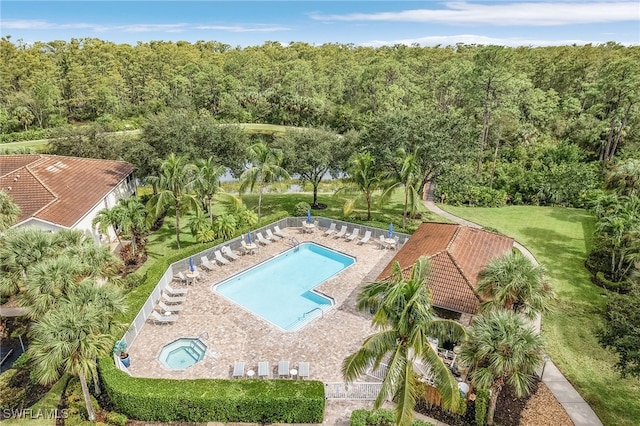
(478, 39)
(502, 14)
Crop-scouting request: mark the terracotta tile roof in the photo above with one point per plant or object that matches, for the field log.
(457, 254)
(59, 189)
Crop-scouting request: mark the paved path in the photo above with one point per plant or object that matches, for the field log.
(578, 410)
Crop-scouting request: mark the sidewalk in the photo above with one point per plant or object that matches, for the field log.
(578, 410)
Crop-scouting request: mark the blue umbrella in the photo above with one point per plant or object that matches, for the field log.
(390, 230)
(249, 237)
(192, 267)
(308, 216)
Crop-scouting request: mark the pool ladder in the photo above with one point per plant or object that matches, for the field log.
(314, 309)
(293, 242)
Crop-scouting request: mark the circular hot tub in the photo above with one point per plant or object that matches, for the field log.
(182, 353)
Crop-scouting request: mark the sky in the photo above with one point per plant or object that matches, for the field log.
(363, 23)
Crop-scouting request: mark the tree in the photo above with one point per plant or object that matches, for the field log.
(624, 178)
(620, 331)
(108, 218)
(404, 319)
(264, 169)
(502, 349)
(21, 248)
(132, 218)
(9, 211)
(364, 179)
(409, 176)
(175, 189)
(207, 183)
(515, 283)
(70, 338)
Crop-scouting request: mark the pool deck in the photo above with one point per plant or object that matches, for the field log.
(234, 334)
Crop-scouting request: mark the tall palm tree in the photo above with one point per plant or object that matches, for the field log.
(364, 179)
(265, 169)
(405, 320)
(175, 189)
(108, 218)
(408, 176)
(132, 218)
(207, 183)
(625, 177)
(9, 211)
(70, 338)
(515, 283)
(502, 349)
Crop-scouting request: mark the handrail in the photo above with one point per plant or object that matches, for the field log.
(321, 312)
(294, 242)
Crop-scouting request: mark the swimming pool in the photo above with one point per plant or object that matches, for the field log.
(280, 290)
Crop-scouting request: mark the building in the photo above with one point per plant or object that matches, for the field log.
(56, 192)
(457, 254)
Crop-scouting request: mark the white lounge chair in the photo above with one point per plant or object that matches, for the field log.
(279, 232)
(366, 238)
(175, 291)
(173, 300)
(353, 235)
(262, 240)
(220, 259)
(207, 263)
(238, 369)
(226, 250)
(162, 319)
(283, 369)
(263, 369)
(303, 370)
(181, 277)
(172, 308)
(330, 230)
(342, 232)
(382, 243)
(271, 236)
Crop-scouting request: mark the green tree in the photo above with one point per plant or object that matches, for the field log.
(404, 319)
(363, 180)
(175, 189)
(624, 178)
(409, 177)
(265, 168)
(9, 211)
(515, 283)
(502, 349)
(207, 183)
(21, 248)
(108, 218)
(132, 219)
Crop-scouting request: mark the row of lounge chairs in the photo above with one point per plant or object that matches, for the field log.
(170, 304)
(342, 233)
(219, 257)
(264, 371)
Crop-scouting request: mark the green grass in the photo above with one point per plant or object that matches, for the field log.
(47, 404)
(39, 145)
(560, 239)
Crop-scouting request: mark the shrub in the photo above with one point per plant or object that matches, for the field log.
(379, 417)
(10, 397)
(481, 404)
(116, 419)
(602, 281)
(301, 208)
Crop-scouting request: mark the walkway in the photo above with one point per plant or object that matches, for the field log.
(579, 411)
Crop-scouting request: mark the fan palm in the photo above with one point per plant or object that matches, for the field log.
(502, 349)
(9, 211)
(265, 169)
(625, 177)
(404, 319)
(175, 189)
(515, 283)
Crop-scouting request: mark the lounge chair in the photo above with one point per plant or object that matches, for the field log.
(353, 235)
(207, 263)
(283, 369)
(175, 291)
(162, 319)
(331, 230)
(342, 232)
(263, 369)
(238, 369)
(220, 259)
(226, 250)
(279, 232)
(303, 370)
(366, 238)
(173, 300)
(172, 308)
(181, 277)
(382, 243)
(262, 240)
(271, 236)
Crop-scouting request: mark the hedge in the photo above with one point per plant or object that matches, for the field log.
(379, 417)
(209, 400)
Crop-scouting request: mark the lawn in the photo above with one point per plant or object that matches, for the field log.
(560, 238)
(38, 145)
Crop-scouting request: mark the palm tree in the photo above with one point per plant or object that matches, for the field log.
(9, 211)
(132, 218)
(175, 185)
(625, 177)
(515, 283)
(409, 176)
(265, 169)
(207, 183)
(364, 179)
(70, 338)
(108, 218)
(405, 320)
(502, 349)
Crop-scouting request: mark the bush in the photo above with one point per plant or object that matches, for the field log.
(602, 281)
(10, 397)
(116, 419)
(481, 404)
(205, 400)
(27, 135)
(380, 417)
(301, 208)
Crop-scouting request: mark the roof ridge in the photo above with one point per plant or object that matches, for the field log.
(49, 190)
(24, 165)
(453, 237)
(83, 158)
(462, 273)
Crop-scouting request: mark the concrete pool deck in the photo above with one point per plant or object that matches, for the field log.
(233, 334)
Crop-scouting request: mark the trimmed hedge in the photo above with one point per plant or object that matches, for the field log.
(379, 417)
(208, 400)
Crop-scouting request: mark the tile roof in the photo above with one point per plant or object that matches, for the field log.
(58, 189)
(457, 254)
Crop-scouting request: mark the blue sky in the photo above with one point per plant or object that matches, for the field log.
(367, 23)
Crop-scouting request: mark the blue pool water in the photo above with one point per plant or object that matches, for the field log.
(280, 290)
(182, 353)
